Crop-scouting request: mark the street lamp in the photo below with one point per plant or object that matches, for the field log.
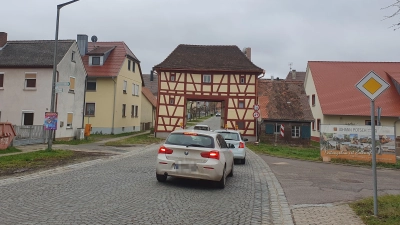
(53, 83)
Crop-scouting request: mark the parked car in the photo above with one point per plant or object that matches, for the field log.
(201, 127)
(195, 154)
(234, 137)
(217, 114)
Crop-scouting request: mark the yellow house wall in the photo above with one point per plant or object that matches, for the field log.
(129, 99)
(103, 99)
(315, 109)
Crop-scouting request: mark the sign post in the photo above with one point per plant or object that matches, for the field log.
(256, 114)
(371, 85)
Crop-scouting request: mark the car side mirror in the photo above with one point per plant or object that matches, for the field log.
(245, 139)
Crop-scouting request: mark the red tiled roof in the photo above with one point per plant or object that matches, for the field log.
(283, 100)
(114, 61)
(100, 50)
(147, 93)
(335, 84)
(208, 57)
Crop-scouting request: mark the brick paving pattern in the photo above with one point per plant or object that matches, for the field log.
(326, 215)
(123, 190)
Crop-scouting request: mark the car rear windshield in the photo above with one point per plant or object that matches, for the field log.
(230, 136)
(200, 128)
(195, 140)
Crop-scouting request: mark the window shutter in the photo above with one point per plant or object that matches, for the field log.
(269, 128)
(69, 118)
(71, 83)
(305, 131)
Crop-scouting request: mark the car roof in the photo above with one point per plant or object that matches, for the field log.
(230, 131)
(201, 125)
(206, 132)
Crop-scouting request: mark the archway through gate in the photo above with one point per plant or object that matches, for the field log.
(197, 108)
(207, 73)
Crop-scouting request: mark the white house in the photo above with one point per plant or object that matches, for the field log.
(334, 99)
(26, 70)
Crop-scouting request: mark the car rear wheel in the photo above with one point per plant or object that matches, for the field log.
(222, 183)
(161, 178)
(231, 173)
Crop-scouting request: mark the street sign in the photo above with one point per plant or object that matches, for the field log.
(59, 90)
(256, 114)
(256, 107)
(372, 85)
(62, 84)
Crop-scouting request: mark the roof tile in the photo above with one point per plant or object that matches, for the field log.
(335, 84)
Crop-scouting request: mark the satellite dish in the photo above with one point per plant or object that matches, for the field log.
(94, 38)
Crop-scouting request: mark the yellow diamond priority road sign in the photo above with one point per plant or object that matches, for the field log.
(372, 85)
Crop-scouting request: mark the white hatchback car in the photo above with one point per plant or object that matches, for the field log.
(234, 137)
(195, 154)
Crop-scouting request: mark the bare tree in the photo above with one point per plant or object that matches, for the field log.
(396, 5)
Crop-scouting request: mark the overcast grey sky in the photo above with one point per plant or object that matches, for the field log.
(278, 31)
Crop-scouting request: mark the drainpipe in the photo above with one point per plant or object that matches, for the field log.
(113, 113)
(84, 103)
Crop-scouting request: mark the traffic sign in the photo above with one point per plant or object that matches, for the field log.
(62, 84)
(256, 107)
(59, 90)
(256, 114)
(372, 85)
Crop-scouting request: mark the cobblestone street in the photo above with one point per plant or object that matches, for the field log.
(123, 190)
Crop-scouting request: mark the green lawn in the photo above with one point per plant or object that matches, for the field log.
(9, 150)
(96, 137)
(310, 153)
(32, 159)
(388, 210)
(140, 139)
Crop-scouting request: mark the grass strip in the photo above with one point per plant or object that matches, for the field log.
(144, 139)
(9, 150)
(309, 153)
(388, 210)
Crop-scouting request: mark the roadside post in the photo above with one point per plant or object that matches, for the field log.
(256, 115)
(371, 85)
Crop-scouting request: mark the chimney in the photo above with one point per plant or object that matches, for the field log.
(151, 75)
(247, 52)
(293, 74)
(82, 40)
(3, 39)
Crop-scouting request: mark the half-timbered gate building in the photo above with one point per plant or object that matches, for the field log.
(207, 73)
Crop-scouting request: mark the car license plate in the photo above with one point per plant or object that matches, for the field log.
(192, 167)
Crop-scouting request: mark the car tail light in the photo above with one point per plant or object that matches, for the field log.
(211, 154)
(164, 150)
(241, 145)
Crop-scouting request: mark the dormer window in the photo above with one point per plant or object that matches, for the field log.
(95, 60)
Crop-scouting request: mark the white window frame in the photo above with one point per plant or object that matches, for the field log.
(277, 129)
(296, 130)
(91, 81)
(205, 80)
(26, 82)
(23, 117)
(93, 57)
(137, 90)
(69, 126)
(133, 89)
(125, 84)
(94, 114)
(132, 111)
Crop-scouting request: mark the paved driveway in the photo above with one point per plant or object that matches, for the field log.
(316, 191)
(123, 190)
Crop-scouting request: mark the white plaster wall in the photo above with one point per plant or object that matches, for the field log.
(70, 102)
(316, 109)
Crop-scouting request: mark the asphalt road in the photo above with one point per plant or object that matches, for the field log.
(320, 183)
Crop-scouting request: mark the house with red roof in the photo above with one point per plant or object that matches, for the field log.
(113, 86)
(148, 109)
(334, 99)
(284, 102)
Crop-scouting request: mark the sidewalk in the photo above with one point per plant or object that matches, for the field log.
(80, 147)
